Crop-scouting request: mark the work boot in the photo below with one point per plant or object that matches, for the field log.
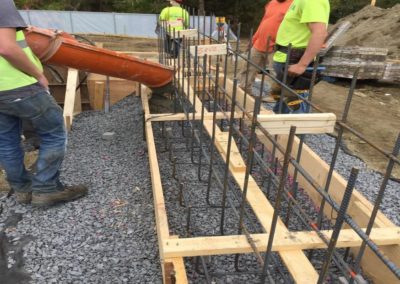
(23, 197)
(69, 193)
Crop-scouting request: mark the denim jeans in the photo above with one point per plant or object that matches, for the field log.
(47, 120)
(279, 69)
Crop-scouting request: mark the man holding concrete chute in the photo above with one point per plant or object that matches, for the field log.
(173, 18)
(305, 28)
(262, 48)
(24, 95)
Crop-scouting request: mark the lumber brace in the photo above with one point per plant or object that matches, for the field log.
(288, 241)
(313, 123)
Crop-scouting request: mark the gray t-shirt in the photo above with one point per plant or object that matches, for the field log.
(11, 18)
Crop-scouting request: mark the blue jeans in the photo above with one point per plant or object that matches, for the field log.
(47, 120)
(279, 69)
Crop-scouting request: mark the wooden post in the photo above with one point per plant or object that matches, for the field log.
(72, 103)
(373, 2)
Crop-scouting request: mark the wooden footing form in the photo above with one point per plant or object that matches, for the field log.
(289, 245)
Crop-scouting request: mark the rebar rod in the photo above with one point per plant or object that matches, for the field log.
(337, 146)
(377, 204)
(278, 199)
(229, 146)
(339, 223)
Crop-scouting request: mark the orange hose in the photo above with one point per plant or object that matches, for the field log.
(59, 48)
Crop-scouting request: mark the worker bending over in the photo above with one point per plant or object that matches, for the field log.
(24, 95)
(173, 18)
(305, 28)
(263, 41)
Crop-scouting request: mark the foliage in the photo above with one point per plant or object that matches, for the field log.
(247, 12)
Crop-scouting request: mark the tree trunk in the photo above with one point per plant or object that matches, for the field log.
(202, 9)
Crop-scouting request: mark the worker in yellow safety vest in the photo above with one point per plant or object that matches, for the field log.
(24, 95)
(173, 19)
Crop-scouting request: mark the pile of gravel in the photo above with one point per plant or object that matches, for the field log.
(108, 236)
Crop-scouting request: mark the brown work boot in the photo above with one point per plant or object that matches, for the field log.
(23, 197)
(69, 193)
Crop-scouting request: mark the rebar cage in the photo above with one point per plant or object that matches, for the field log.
(276, 211)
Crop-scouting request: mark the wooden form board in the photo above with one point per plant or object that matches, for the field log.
(119, 89)
(209, 49)
(72, 103)
(183, 116)
(319, 169)
(189, 33)
(219, 245)
(296, 261)
(305, 123)
(159, 203)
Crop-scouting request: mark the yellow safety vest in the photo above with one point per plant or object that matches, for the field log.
(177, 18)
(10, 77)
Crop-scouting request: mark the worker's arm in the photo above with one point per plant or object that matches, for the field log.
(318, 36)
(10, 50)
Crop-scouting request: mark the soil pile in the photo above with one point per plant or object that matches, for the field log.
(374, 27)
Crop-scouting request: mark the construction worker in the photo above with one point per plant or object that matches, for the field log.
(173, 18)
(24, 95)
(305, 28)
(262, 48)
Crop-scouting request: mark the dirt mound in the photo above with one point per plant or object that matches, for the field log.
(374, 27)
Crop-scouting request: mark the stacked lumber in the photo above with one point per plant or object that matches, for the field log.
(392, 71)
(343, 61)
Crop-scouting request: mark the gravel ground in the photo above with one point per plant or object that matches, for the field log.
(368, 182)
(109, 236)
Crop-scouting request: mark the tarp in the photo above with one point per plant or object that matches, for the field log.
(139, 25)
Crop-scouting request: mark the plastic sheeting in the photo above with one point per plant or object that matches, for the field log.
(140, 25)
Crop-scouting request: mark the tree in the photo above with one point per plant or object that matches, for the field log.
(202, 9)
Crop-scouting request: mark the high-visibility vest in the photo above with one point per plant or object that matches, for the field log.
(12, 78)
(176, 18)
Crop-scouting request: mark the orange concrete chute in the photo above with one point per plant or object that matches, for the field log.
(60, 48)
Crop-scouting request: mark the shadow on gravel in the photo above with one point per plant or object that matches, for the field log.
(11, 253)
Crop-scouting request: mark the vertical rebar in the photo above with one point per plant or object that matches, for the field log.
(277, 207)
(195, 79)
(228, 152)
(285, 77)
(216, 90)
(301, 143)
(337, 147)
(377, 204)
(249, 163)
(339, 223)
(203, 94)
